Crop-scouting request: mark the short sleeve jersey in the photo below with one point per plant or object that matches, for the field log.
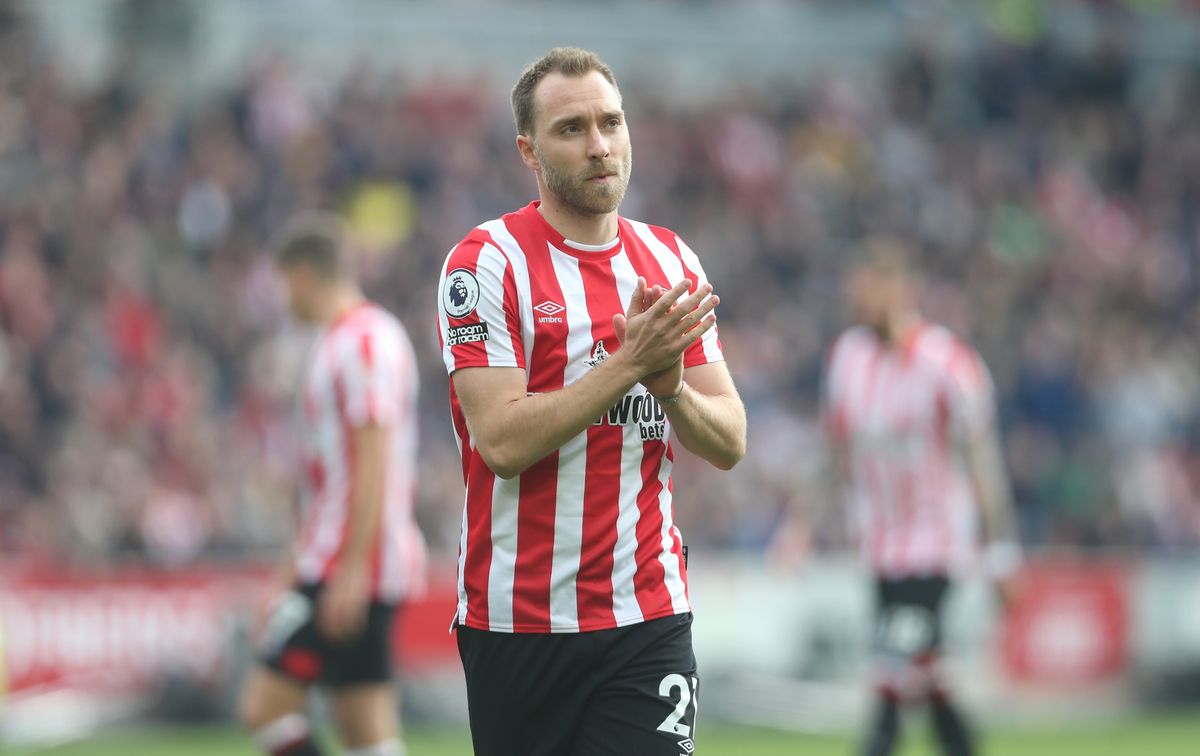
(584, 539)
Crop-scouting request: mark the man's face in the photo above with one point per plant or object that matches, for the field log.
(302, 290)
(581, 142)
(873, 294)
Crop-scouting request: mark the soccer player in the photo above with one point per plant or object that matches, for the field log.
(579, 344)
(910, 412)
(359, 551)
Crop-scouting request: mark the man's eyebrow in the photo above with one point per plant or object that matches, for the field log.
(565, 120)
(576, 118)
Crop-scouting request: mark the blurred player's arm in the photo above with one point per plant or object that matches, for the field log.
(708, 416)
(513, 429)
(344, 603)
(985, 463)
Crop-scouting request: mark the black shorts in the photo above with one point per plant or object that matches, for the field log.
(292, 644)
(909, 620)
(629, 691)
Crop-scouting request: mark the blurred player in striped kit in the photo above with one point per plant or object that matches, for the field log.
(910, 413)
(358, 552)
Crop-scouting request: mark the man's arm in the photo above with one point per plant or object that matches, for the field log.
(708, 417)
(985, 464)
(513, 430)
(1002, 554)
(343, 606)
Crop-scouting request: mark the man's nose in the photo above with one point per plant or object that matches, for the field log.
(597, 144)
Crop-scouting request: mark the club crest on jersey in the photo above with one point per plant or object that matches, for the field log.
(599, 354)
(460, 295)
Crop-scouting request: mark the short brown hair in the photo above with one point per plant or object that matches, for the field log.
(890, 256)
(569, 61)
(316, 241)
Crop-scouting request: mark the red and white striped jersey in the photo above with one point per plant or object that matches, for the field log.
(903, 413)
(585, 539)
(360, 371)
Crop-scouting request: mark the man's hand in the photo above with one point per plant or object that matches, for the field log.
(658, 318)
(343, 604)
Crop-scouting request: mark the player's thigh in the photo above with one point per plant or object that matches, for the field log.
(358, 671)
(908, 624)
(365, 714)
(649, 707)
(525, 692)
(268, 695)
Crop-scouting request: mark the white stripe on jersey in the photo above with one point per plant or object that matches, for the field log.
(520, 269)
(499, 346)
(670, 561)
(626, 609)
(506, 496)
(711, 351)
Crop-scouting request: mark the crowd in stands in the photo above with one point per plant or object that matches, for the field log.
(147, 365)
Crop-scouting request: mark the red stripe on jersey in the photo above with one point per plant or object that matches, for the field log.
(644, 261)
(478, 561)
(602, 482)
(539, 484)
(694, 355)
(649, 583)
(535, 546)
(460, 428)
(602, 487)
(549, 354)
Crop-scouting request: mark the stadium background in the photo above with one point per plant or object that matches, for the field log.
(1045, 156)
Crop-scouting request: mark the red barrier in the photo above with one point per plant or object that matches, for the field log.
(124, 629)
(1069, 625)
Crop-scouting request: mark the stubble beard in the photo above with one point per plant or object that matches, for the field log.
(579, 194)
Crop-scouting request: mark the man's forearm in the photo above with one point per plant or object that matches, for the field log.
(991, 481)
(367, 493)
(526, 430)
(713, 427)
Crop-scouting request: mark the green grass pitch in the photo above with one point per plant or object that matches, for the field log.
(1176, 735)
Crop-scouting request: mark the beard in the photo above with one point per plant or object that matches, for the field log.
(581, 195)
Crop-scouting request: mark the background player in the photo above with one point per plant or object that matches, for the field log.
(910, 412)
(359, 551)
(578, 342)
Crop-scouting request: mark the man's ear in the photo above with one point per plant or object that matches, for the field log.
(528, 156)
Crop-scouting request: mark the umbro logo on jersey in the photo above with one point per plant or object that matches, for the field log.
(549, 312)
(687, 745)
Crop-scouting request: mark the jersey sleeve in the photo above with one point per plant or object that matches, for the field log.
(479, 323)
(970, 392)
(708, 349)
(376, 379)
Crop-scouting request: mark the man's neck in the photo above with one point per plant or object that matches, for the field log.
(900, 327)
(578, 227)
(342, 299)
